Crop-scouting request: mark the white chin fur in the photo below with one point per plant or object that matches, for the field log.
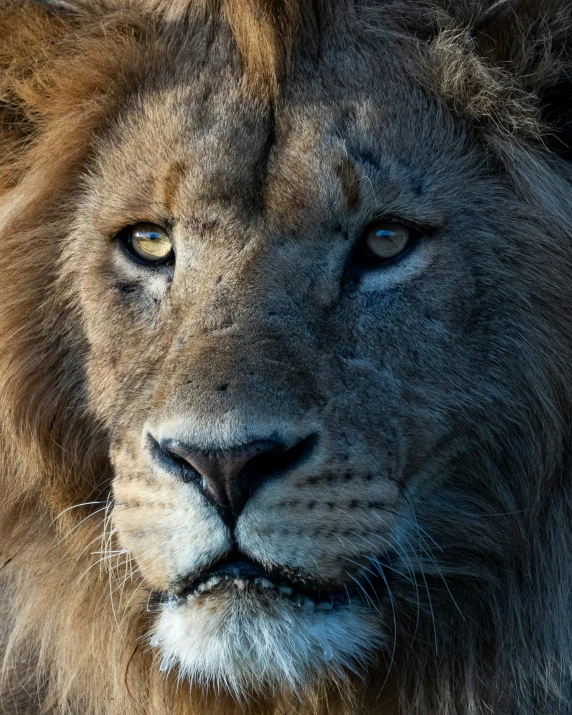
(241, 642)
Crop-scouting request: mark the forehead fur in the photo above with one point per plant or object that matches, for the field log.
(493, 62)
(490, 59)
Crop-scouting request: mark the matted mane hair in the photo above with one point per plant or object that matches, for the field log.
(65, 67)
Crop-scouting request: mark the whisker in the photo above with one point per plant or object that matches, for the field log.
(75, 506)
(71, 531)
(392, 602)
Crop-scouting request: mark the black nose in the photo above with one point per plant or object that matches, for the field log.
(229, 477)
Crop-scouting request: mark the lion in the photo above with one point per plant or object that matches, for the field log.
(285, 357)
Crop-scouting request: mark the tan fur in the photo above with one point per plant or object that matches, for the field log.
(104, 110)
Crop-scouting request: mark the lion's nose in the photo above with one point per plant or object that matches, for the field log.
(229, 477)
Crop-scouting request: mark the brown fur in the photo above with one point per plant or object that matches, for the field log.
(71, 646)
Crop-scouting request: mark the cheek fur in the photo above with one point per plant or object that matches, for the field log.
(167, 525)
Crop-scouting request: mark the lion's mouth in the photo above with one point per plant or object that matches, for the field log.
(242, 575)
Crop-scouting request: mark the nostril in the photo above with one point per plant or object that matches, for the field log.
(279, 459)
(170, 455)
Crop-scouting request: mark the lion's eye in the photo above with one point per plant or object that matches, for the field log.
(149, 243)
(383, 240)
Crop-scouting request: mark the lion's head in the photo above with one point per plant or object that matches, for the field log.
(285, 382)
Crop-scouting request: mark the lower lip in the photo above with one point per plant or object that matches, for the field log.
(226, 584)
(259, 587)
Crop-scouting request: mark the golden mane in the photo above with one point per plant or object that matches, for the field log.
(63, 75)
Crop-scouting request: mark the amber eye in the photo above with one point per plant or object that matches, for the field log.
(148, 243)
(383, 240)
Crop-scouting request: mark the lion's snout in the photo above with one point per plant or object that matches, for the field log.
(229, 476)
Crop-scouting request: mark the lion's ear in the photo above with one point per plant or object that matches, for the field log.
(507, 65)
(31, 32)
(60, 61)
(532, 40)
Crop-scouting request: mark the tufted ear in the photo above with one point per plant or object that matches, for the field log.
(526, 48)
(533, 40)
(504, 65)
(60, 61)
(31, 33)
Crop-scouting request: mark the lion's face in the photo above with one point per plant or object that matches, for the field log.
(276, 395)
(285, 351)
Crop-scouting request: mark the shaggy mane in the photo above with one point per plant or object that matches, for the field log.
(490, 67)
(65, 68)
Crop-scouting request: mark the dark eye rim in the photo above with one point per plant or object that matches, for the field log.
(125, 241)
